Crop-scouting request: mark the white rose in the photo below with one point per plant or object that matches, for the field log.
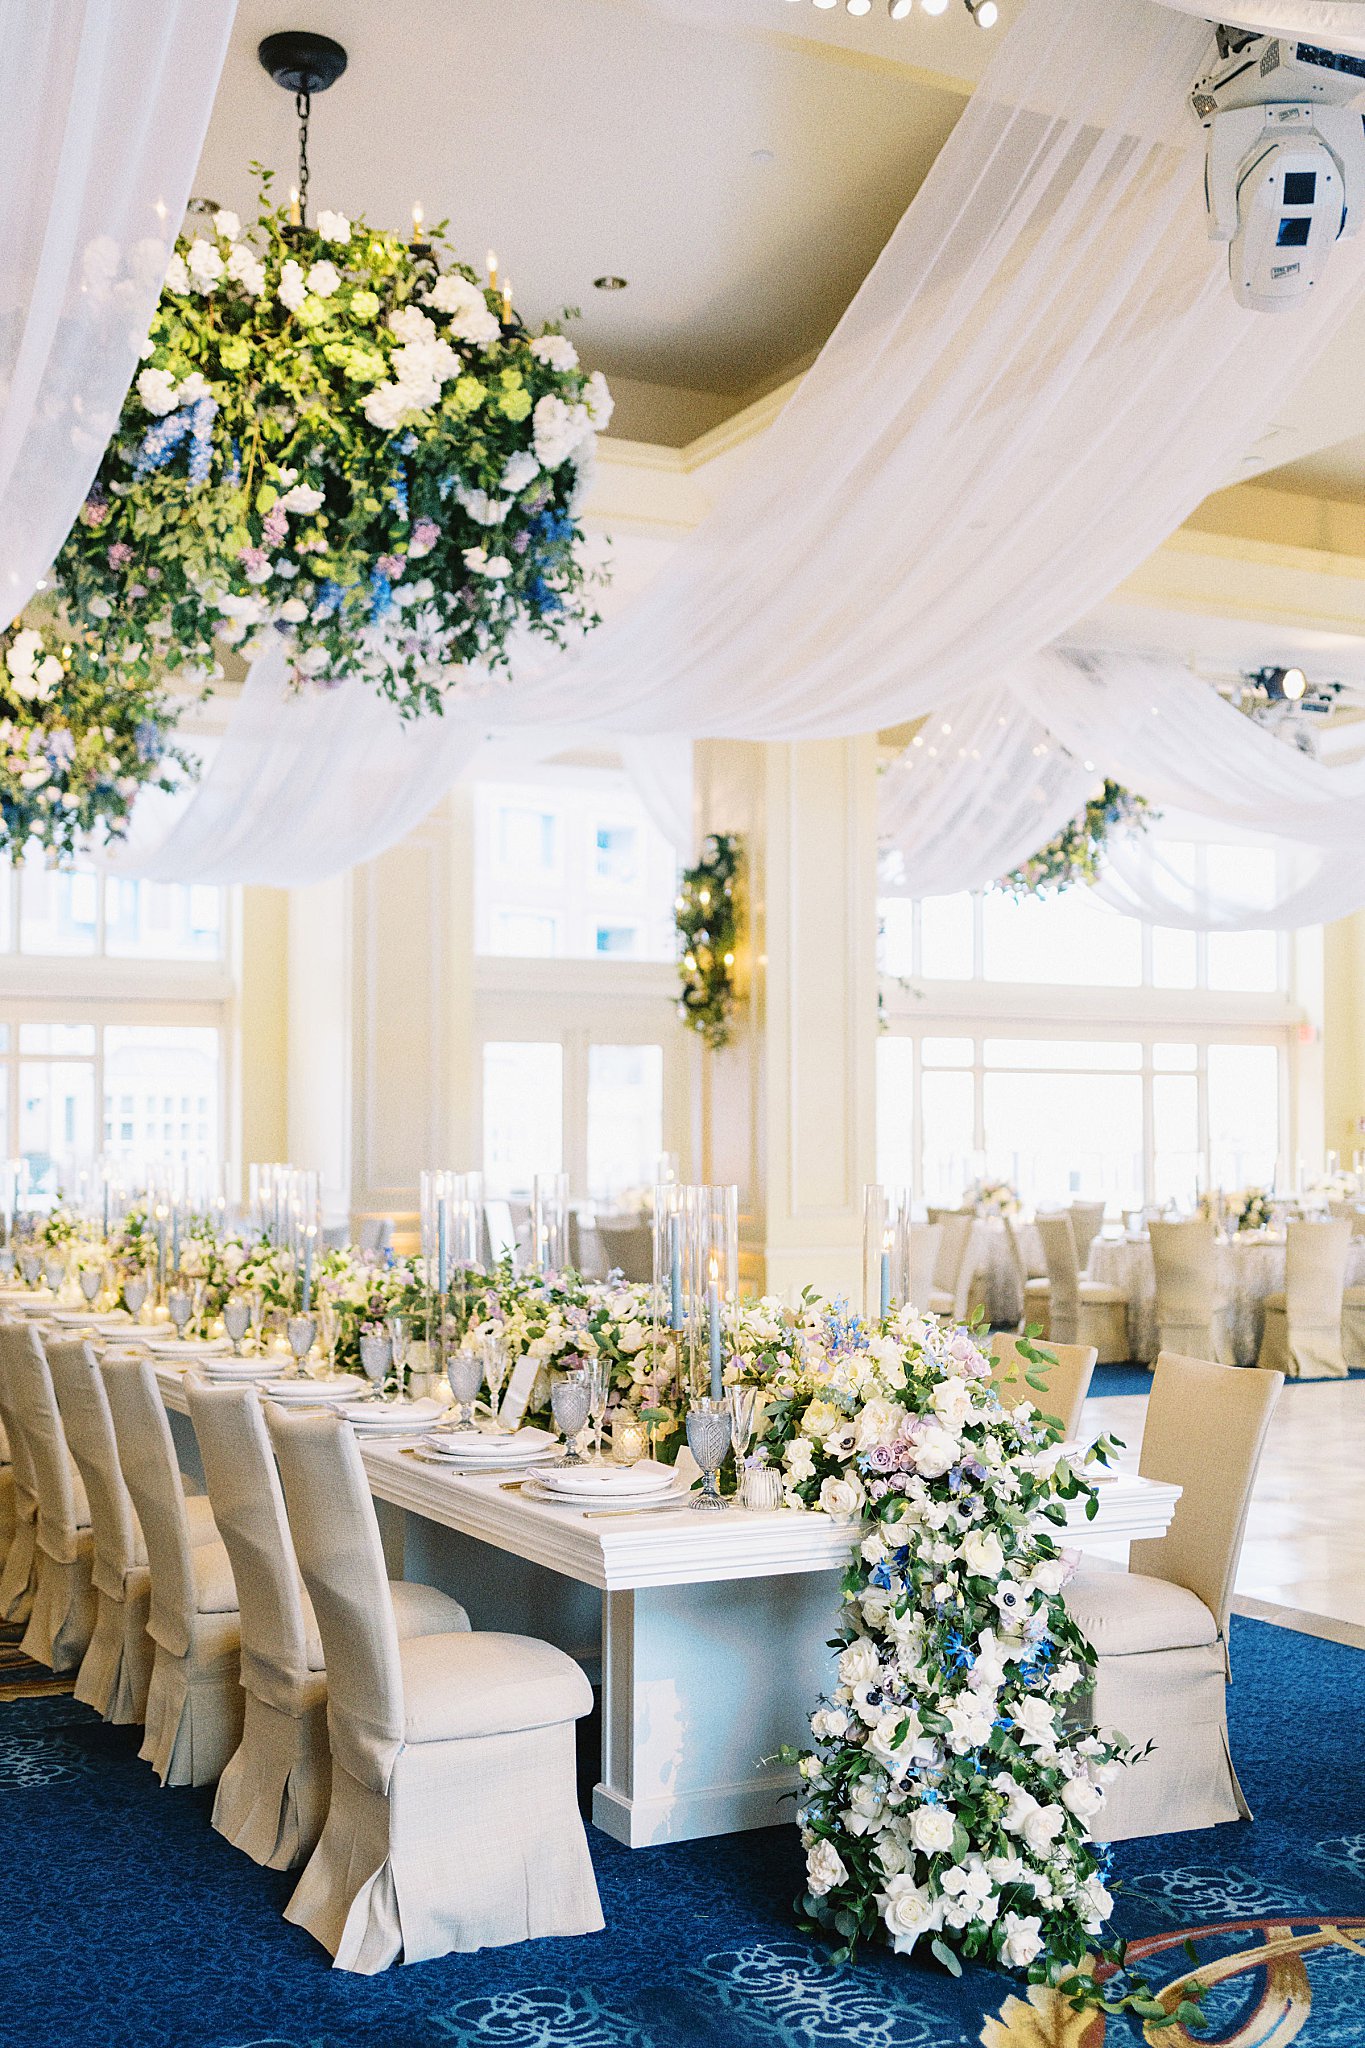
(951, 1401)
(177, 278)
(1035, 1719)
(1050, 1576)
(246, 269)
(292, 290)
(827, 1724)
(323, 278)
(932, 1830)
(293, 611)
(859, 1664)
(879, 1422)
(334, 227)
(935, 1452)
(970, 1721)
(799, 1458)
(907, 1912)
(300, 498)
(842, 1498)
(982, 1554)
(1095, 1902)
(227, 225)
(205, 265)
(313, 661)
(156, 389)
(24, 651)
(1023, 1940)
(598, 401)
(1042, 1827)
(556, 350)
(824, 1868)
(481, 508)
(1082, 1799)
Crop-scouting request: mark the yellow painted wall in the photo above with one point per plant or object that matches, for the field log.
(264, 1036)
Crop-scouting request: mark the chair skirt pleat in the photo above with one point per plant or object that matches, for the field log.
(194, 1705)
(17, 1578)
(477, 1843)
(1177, 1701)
(116, 1670)
(62, 1618)
(273, 1796)
(7, 1512)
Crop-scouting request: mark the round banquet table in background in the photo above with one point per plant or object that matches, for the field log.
(1247, 1268)
(992, 1262)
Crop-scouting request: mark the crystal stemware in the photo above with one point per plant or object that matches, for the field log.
(569, 1404)
(494, 1352)
(599, 1393)
(301, 1330)
(708, 1439)
(400, 1345)
(236, 1319)
(329, 1324)
(91, 1282)
(179, 1307)
(30, 1265)
(376, 1353)
(6, 1263)
(54, 1272)
(464, 1371)
(135, 1293)
(743, 1403)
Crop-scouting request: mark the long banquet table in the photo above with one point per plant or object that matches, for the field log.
(711, 1631)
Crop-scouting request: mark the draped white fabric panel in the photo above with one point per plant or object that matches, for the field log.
(103, 108)
(1335, 24)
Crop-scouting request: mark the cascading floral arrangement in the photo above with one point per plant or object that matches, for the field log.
(949, 1793)
(338, 447)
(1077, 852)
(77, 743)
(707, 913)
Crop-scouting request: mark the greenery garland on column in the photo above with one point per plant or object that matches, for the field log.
(1075, 855)
(708, 913)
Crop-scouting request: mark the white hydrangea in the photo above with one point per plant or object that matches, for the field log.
(471, 319)
(599, 402)
(334, 227)
(411, 325)
(484, 510)
(496, 566)
(292, 290)
(386, 406)
(205, 265)
(519, 470)
(300, 498)
(246, 269)
(323, 278)
(557, 429)
(227, 225)
(156, 389)
(556, 350)
(177, 277)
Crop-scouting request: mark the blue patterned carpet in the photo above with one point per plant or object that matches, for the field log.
(130, 1924)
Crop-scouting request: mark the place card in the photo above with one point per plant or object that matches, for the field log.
(518, 1391)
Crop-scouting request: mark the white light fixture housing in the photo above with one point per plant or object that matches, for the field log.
(858, 6)
(898, 9)
(934, 6)
(984, 13)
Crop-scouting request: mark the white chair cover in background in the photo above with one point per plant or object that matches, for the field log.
(103, 108)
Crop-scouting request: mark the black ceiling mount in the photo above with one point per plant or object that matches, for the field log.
(302, 62)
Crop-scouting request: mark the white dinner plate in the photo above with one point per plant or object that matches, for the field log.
(392, 1418)
(496, 1448)
(437, 1446)
(306, 1393)
(536, 1489)
(84, 1319)
(590, 1482)
(185, 1347)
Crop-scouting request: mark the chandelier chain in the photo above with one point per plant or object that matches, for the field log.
(303, 107)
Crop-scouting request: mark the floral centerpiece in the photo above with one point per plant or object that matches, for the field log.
(78, 742)
(337, 447)
(948, 1795)
(1252, 1210)
(567, 1323)
(992, 1198)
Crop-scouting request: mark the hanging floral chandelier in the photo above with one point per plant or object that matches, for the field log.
(341, 446)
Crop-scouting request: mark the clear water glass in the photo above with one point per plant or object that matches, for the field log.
(6, 1262)
(179, 1307)
(569, 1404)
(54, 1272)
(761, 1489)
(744, 1404)
(91, 1283)
(708, 1439)
(30, 1265)
(376, 1353)
(494, 1352)
(301, 1330)
(236, 1318)
(135, 1293)
(599, 1394)
(330, 1327)
(464, 1371)
(400, 1344)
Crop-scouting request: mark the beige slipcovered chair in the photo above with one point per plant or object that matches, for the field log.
(628, 1248)
(950, 1276)
(194, 1700)
(1035, 1291)
(272, 1796)
(1068, 1380)
(6, 1498)
(17, 1573)
(453, 1822)
(1189, 1320)
(1081, 1311)
(1087, 1221)
(117, 1668)
(1302, 1335)
(924, 1245)
(62, 1618)
(1160, 1628)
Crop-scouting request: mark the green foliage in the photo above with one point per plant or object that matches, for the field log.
(709, 915)
(337, 447)
(1076, 853)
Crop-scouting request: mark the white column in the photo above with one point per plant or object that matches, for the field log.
(789, 1111)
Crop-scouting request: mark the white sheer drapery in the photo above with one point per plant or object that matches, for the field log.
(1333, 24)
(103, 108)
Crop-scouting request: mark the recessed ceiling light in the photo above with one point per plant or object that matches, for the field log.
(934, 6)
(827, 3)
(985, 13)
(858, 6)
(610, 284)
(898, 9)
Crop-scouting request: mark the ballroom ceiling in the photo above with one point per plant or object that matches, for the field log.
(740, 162)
